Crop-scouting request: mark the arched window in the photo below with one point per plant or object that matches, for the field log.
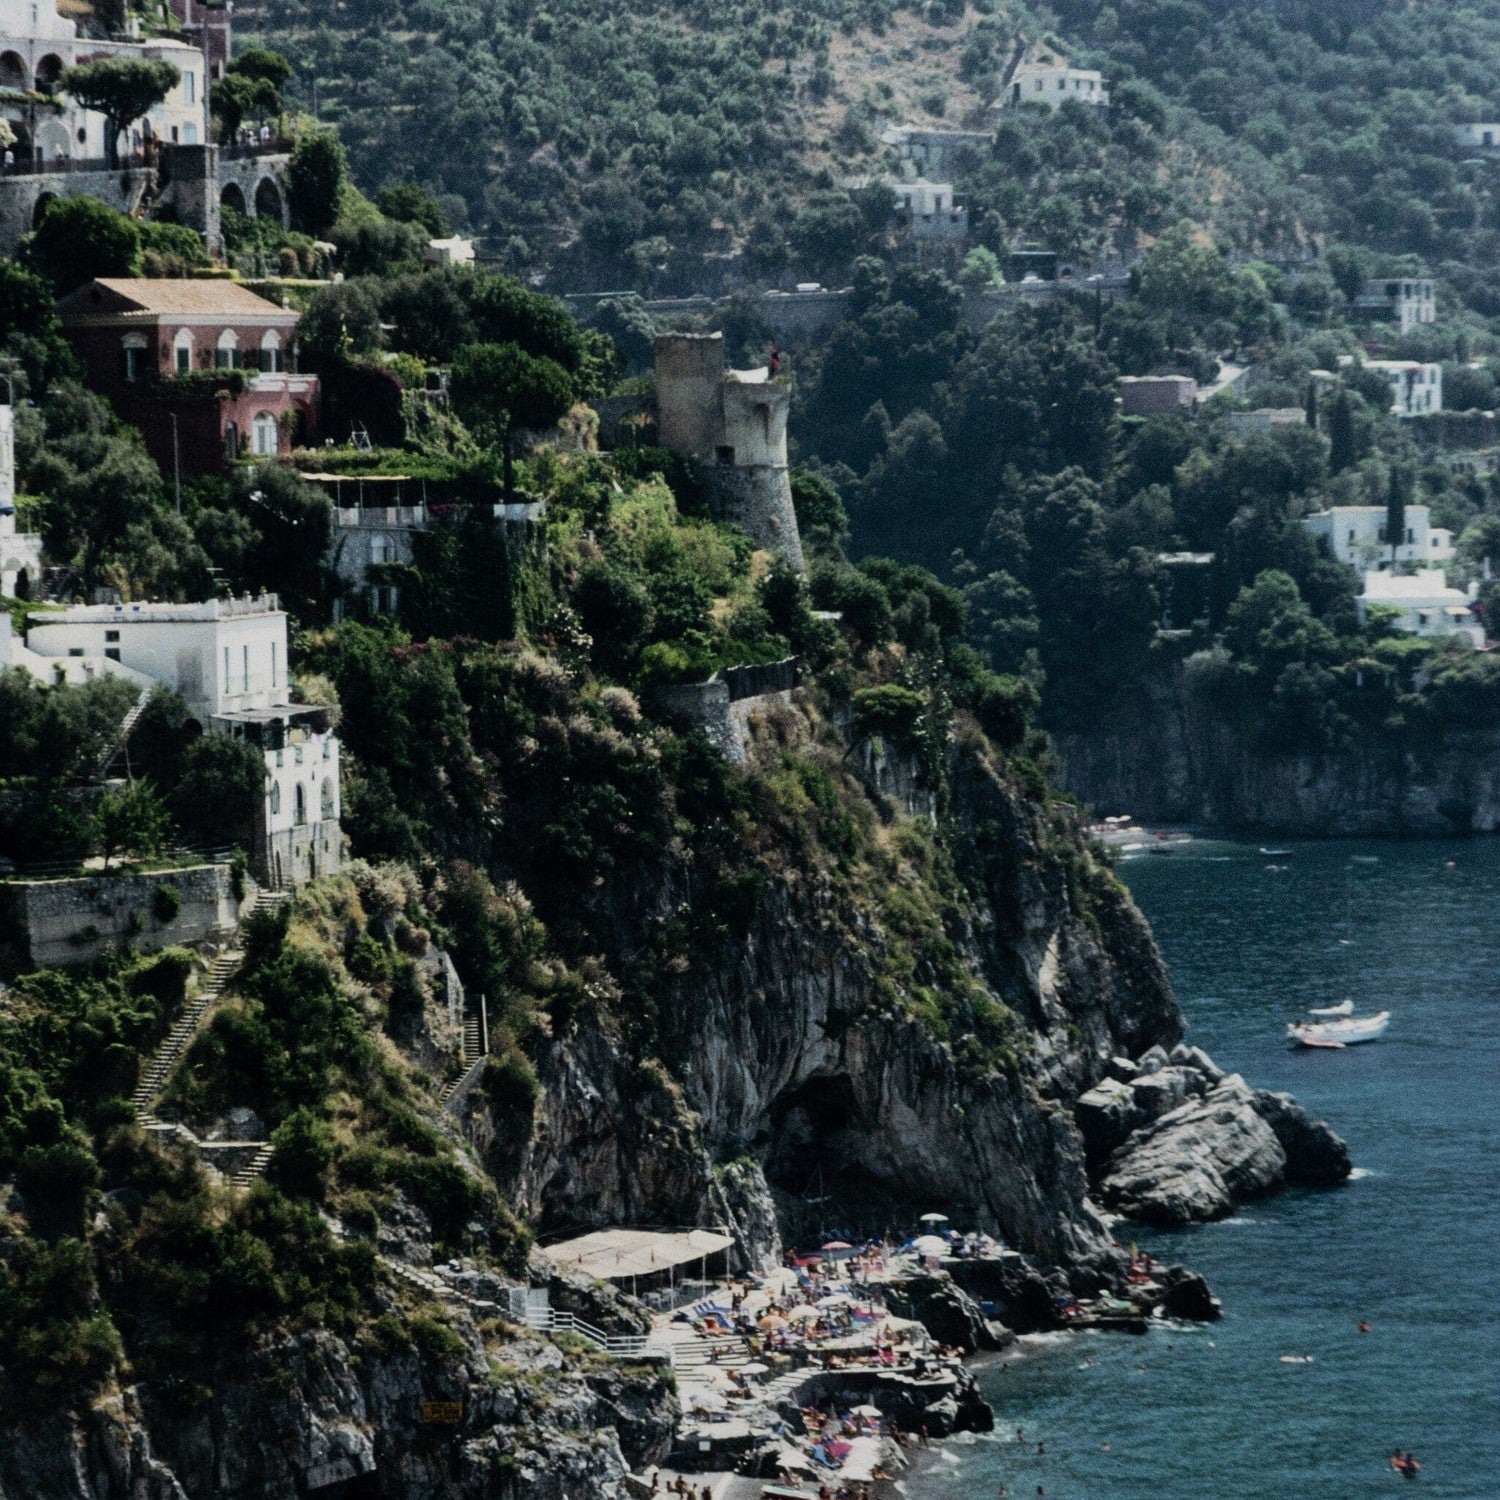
(329, 809)
(382, 548)
(300, 813)
(265, 436)
(275, 798)
(270, 352)
(182, 351)
(227, 355)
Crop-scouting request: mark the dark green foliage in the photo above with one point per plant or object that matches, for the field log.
(316, 176)
(122, 89)
(887, 710)
(133, 820)
(79, 239)
(304, 1152)
(219, 785)
(166, 903)
(410, 203)
(494, 385)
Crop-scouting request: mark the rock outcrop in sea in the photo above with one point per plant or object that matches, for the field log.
(1172, 1140)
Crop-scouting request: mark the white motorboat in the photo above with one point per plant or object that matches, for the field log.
(1333, 1012)
(1344, 1031)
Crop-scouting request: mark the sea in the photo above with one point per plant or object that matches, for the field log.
(1285, 1397)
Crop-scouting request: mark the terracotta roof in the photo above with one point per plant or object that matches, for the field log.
(153, 298)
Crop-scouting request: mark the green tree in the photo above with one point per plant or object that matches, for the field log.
(316, 177)
(1341, 439)
(498, 385)
(81, 238)
(122, 89)
(237, 96)
(133, 820)
(220, 782)
(1399, 487)
(409, 203)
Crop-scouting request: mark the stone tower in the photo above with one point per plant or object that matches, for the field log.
(735, 422)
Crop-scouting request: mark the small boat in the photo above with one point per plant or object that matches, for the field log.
(1277, 853)
(1333, 1011)
(1345, 1031)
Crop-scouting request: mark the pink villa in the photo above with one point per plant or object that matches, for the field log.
(210, 354)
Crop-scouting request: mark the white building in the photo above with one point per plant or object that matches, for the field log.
(1483, 137)
(1355, 534)
(1402, 300)
(930, 210)
(1416, 389)
(1424, 603)
(37, 43)
(20, 551)
(1053, 84)
(455, 250)
(228, 660)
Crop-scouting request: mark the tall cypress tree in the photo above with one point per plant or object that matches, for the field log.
(1310, 405)
(1340, 434)
(1395, 509)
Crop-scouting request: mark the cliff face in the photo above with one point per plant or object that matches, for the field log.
(786, 1053)
(311, 1415)
(1169, 760)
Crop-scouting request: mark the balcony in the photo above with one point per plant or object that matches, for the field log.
(245, 150)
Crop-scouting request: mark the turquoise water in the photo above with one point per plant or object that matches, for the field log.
(1412, 1245)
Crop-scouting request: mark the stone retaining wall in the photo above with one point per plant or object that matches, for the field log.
(78, 920)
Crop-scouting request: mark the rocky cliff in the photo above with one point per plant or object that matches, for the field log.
(788, 1051)
(1169, 760)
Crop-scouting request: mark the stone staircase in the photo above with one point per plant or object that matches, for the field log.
(476, 1049)
(156, 1072)
(247, 1176)
(158, 1069)
(112, 761)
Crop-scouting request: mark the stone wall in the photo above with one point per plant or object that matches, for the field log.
(22, 198)
(759, 501)
(296, 855)
(722, 708)
(76, 921)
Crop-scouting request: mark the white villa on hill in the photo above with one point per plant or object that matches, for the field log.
(1426, 605)
(228, 660)
(1416, 388)
(1355, 534)
(1052, 84)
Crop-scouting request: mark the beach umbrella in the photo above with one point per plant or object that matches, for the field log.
(782, 1281)
(804, 1315)
(930, 1244)
(754, 1368)
(865, 1411)
(836, 1299)
(933, 1219)
(770, 1321)
(755, 1302)
(838, 1245)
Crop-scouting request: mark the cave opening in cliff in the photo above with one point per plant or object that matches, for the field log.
(817, 1155)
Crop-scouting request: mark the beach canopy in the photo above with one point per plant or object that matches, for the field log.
(619, 1254)
(933, 1219)
(930, 1244)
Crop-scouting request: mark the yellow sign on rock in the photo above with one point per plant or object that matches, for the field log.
(451, 1412)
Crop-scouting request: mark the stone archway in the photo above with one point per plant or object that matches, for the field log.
(48, 71)
(233, 196)
(269, 202)
(39, 211)
(13, 74)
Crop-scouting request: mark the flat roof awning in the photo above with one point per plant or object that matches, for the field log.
(610, 1254)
